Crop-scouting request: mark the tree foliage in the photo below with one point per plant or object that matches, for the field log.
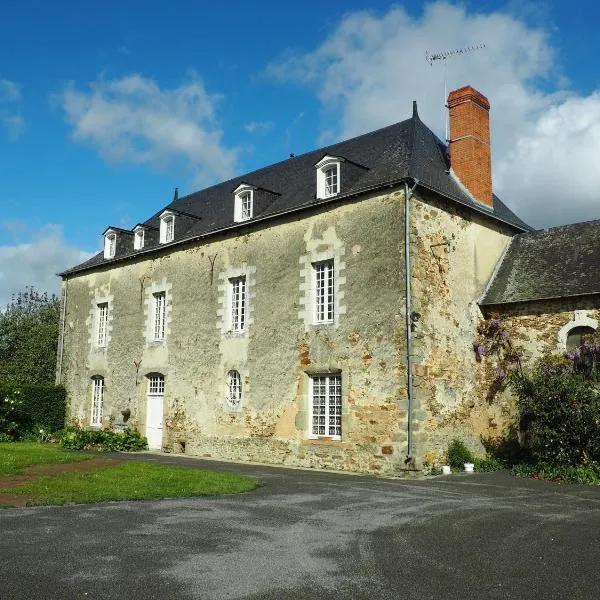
(559, 407)
(29, 330)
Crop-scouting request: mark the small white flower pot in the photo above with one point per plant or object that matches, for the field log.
(469, 467)
(446, 470)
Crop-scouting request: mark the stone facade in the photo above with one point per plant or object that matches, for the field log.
(276, 354)
(454, 254)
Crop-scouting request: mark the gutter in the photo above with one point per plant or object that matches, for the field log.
(61, 343)
(239, 227)
(408, 192)
(538, 299)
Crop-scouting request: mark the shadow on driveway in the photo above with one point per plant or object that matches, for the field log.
(308, 535)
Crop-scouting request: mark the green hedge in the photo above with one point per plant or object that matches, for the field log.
(24, 409)
(128, 440)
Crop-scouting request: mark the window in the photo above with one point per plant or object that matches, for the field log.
(159, 316)
(97, 401)
(244, 203)
(328, 176)
(110, 244)
(102, 323)
(156, 385)
(138, 238)
(326, 406)
(576, 335)
(234, 383)
(331, 181)
(167, 227)
(324, 285)
(238, 303)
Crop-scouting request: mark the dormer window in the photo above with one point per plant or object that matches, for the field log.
(328, 176)
(167, 227)
(138, 238)
(110, 244)
(244, 203)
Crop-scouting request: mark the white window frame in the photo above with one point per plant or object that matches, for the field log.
(167, 227)
(110, 244)
(323, 423)
(97, 401)
(138, 238)
(238, 304)
(234, 389)
(101, 324)
(243, 203)
(580, 319)
(156, 384)
(159, 316)
(326, 166)
(323, 273)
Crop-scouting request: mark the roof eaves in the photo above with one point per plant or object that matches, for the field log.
(474, 207)
(538, 299)
(313, 203)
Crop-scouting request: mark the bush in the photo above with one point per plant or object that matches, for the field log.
(559, 411)
(589, 474)
(489, 464)
(29, 411)
(128, 440)
(458, 454)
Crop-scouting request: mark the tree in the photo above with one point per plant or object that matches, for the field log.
(29, 329)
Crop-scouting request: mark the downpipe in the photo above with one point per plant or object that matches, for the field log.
(408, 192)
(61, 343)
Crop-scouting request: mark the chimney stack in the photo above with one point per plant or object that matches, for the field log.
(470, 155)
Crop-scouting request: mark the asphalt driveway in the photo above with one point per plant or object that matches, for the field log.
(309, 535)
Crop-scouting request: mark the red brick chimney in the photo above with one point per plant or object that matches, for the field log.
(470, 156)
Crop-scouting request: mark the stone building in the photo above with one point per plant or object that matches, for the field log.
(318, 312)
(546, 289)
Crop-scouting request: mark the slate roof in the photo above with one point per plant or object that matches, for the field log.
(405, 150)
(551, 263)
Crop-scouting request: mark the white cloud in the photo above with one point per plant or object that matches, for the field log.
(258, 126)
(36, 261)
(133, 119)
(544, 136)
(10, 118)
(14, 125)
(9, 91)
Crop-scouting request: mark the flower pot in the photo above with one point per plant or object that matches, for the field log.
(469, 467)
(446, 470)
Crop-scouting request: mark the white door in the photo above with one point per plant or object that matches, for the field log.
(154, 411)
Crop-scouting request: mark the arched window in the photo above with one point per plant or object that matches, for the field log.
(97, 400)
(234, 383)
(575, 336)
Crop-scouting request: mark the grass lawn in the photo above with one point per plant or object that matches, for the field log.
(121, 481)
(14, 457)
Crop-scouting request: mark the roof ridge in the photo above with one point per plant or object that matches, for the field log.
(565, 226)
(296, 157)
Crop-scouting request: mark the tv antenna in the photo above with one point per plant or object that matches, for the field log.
(432, 57)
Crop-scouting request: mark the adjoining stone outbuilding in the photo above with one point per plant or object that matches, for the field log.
(267, 318)
(546, 289)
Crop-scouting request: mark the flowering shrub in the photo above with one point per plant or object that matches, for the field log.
(11, 414)
(559, 412)
(32, 412)
(494, 342)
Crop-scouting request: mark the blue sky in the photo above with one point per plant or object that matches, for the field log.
(106, 107)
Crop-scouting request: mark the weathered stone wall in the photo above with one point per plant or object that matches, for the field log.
(535, 329)
(279, 351)
(454, 255)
